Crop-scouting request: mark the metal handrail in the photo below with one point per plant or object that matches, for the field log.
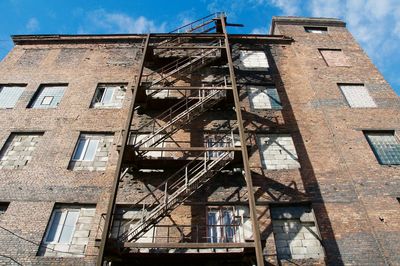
(213, 16)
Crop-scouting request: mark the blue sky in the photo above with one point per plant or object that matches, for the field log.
(374, 23)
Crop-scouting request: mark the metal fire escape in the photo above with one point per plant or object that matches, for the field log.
(139, 142)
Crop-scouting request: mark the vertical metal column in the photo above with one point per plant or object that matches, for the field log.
(114, 191)
(249, 182)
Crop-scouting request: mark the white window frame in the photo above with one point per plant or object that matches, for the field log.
(47, 97)
(64, 212)
(84, 149)
(105, 87)
(220, 228)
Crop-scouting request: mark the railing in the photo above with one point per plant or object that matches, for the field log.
(175, 189)
(199, 25)
(231, 233)
(175, 117)
(199, 56)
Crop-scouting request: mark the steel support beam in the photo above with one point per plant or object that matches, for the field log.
(249, 182)
(114, 191)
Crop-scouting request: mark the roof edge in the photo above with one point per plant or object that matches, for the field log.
(308, 21)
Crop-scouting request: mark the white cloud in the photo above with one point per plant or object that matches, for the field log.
(288, 7)
(324, 8)
(100, 20)
(375, 25)
(32, 25)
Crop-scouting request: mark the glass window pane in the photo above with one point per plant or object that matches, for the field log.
(212, 229)
(385, 146)
(91, 150)
(69, 226)
(274, 98)
(108, 93)
(79, 150)
(99, 95)
(55, 227)
(9, 96)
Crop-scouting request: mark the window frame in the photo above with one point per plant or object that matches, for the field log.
(3, 207)
(22, 86)
(314, 29)
(39, 91)
(59, 232)
(221, 231)
(372, 147)
(82, 156)
(115, 87)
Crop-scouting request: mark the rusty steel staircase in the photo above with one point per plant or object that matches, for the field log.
(193, 52)
(176, 116)
(170, 73)
(174, 191)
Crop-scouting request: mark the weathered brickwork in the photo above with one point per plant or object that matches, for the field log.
(46, 180)
(355, 197)
(322, 196)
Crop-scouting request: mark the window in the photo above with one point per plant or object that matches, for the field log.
(264, 98)
(143, 140)
(319, 30)
(254, 59)
(91, 152)
(9, 95)
(86, 149)
(277, 151)
(68, 231)
(357, 96)
(385, 145)
(223, 225)
(3, 207)
(62, 226)
(334, 57)
(108, 96)
(125, 221)
(18, 150)
(217, 141)
(296, 233)
(48, 96)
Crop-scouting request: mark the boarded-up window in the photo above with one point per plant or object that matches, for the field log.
(264, 98)
(357, 96)
(277, 151)
(18, 150)
(9, 95)
(48, 96)
(32, 57)
(254, 59)
(334, 57)
(296, 233)
(385, 145)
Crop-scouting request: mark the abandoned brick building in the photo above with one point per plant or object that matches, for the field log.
(198, 147)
